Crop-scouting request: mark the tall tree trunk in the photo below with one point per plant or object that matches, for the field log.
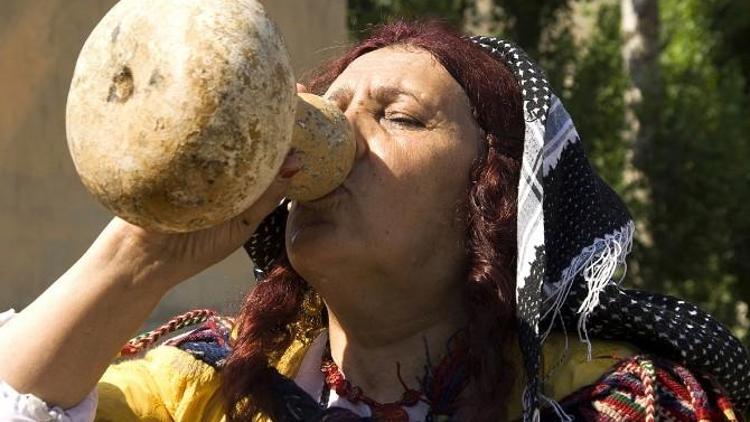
(641, 48)
(480, 18)
(643, 100)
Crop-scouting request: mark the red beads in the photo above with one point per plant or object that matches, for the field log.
(390, 412)
(381, 412)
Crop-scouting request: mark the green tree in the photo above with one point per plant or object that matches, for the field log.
(595, 97)
(363, 14)
(697, 167)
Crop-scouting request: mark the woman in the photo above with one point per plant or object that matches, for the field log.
(471, 223)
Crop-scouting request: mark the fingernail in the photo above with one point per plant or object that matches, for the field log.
(289, 173)
(292, 165)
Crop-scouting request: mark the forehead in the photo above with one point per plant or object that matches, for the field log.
(407, 68)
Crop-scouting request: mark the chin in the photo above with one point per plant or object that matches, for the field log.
(312, 239)
(312, 260)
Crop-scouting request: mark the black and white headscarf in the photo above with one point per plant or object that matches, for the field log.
(574, 234)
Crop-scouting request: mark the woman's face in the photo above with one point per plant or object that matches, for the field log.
(397, 213)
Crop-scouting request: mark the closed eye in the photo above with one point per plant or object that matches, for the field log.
(403, 120)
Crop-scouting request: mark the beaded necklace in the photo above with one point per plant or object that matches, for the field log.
(440, 387)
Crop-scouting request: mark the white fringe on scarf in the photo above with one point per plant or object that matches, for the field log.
(597, 263)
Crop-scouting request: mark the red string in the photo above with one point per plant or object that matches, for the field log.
(144, 341)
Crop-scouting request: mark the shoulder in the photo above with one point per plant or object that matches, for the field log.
(177, 380)
(210, 342)
(644, 387)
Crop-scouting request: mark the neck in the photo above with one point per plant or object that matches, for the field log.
(367, 348)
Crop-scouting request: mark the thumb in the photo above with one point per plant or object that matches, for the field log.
(270, 199)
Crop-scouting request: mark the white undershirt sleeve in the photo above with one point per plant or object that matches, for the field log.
(17, 407)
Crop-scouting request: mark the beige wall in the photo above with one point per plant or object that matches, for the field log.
(47, 219)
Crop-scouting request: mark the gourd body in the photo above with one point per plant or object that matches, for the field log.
(181, 112)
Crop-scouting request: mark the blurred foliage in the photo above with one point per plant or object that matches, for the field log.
(363, 14)
(729, 20)
(696, 166)
(596, 92)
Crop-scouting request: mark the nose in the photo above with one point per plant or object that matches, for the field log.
(358, 127)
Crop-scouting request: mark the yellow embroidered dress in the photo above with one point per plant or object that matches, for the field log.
(170, 383)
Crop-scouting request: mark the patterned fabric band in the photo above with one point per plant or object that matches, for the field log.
(573, 234)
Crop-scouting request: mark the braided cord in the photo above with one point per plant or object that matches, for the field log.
(647, 374)
(144, 341)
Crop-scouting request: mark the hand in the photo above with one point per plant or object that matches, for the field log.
(180, 256)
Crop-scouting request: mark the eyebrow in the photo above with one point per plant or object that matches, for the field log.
(343, 95)
(390, 93)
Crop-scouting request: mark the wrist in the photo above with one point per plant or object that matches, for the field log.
(133, 256)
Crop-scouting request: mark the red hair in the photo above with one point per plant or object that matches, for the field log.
(272, 312)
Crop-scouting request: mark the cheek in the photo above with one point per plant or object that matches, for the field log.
(420, 188)
(439, 174)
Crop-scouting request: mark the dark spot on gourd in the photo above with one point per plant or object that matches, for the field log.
(122, 86)
(115, 33)
(159, 124)
(156, 78)
(253, 131)
(213, 169)
(279, 78)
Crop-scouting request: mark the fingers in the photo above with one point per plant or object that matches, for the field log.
(273, 195)
(291, 166)
(301, 88)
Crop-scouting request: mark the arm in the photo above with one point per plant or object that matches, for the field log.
(60, 345)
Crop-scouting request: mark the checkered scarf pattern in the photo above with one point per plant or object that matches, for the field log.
(574, 234)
